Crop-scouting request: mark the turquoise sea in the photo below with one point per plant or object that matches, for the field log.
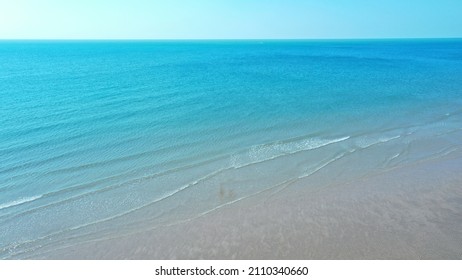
(105, 138)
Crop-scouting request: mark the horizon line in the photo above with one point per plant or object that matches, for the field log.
(227, 39)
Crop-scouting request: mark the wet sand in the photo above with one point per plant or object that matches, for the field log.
(410, 212)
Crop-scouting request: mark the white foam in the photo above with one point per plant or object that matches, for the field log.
(368, 142)
(395, 156)
(261, 153)
(19, 201)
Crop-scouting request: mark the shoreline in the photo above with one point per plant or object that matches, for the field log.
(411, 212)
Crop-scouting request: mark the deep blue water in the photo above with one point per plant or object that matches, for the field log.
(93, 132)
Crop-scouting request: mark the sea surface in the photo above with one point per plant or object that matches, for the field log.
(100, 139)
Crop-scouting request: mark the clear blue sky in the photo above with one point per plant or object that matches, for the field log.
(220, 19)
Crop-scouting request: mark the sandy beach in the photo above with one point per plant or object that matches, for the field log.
(412, 212)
